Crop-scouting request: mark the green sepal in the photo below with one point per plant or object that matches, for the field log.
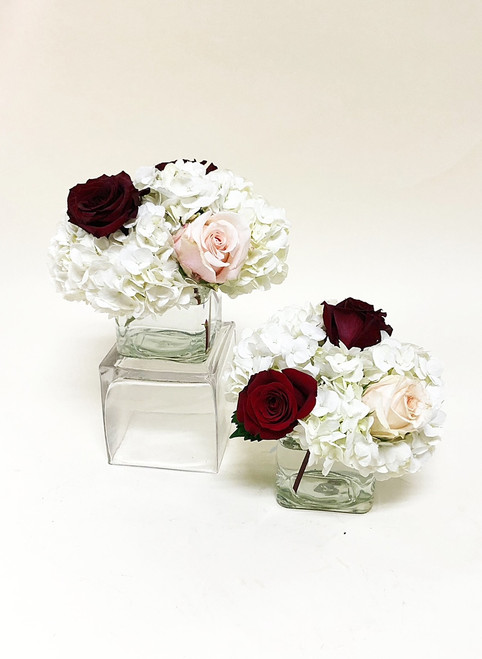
(242, 432)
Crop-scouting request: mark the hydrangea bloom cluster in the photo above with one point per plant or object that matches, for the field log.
(137, 270)
(341, 426)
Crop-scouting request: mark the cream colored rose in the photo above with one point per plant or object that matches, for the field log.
(399, 405)
(213, 247)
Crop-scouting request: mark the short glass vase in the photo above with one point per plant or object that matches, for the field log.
(180, 334)
(343, 490)
(163, 390)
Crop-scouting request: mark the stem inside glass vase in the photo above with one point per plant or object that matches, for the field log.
(302, 470)
(343, 489)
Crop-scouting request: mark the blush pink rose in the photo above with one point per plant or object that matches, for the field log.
(213, 247)
(399, 405)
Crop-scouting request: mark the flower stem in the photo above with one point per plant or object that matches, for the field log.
(299, 476)
(206, 335)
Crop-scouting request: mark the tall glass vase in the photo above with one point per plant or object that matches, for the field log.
(163, 389)
(342, 490)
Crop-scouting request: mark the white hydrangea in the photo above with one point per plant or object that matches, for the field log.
(123, 275)
(289, 339)
(338, 428)
(138, 274)
(184, 190)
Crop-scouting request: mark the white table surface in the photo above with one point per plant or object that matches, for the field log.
(361, 119)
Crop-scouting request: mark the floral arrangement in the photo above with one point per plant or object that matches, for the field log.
(134, 247)
(331, 377)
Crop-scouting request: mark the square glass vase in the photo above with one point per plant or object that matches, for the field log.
(169, 412)
(342, 490)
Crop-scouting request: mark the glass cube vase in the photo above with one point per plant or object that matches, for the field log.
(163, 390)
(343, 490)
(179, 334)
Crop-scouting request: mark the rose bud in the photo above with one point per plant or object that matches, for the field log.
(354, 323)
(103, 205)
(271, 404)
(210, 168)
(213, 247)
(399, 405)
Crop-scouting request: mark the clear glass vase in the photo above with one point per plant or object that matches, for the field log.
(179, 334)
(343, 490)
(163, 390)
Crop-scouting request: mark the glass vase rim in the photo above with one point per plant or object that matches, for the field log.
(207, 294)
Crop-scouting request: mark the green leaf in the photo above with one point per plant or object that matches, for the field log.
(242, 432)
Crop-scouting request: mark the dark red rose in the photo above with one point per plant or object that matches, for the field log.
(210, 168)
(354, 323)
(271, 404)
(103, 205)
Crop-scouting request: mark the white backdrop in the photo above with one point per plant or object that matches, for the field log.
(363, 120)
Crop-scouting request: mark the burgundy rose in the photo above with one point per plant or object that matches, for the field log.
(354, 323)
(103, 205)
(210, 168)
(271, 404)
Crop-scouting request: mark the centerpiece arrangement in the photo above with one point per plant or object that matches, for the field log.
(154, 252)
(136, 248)
(348, 403)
